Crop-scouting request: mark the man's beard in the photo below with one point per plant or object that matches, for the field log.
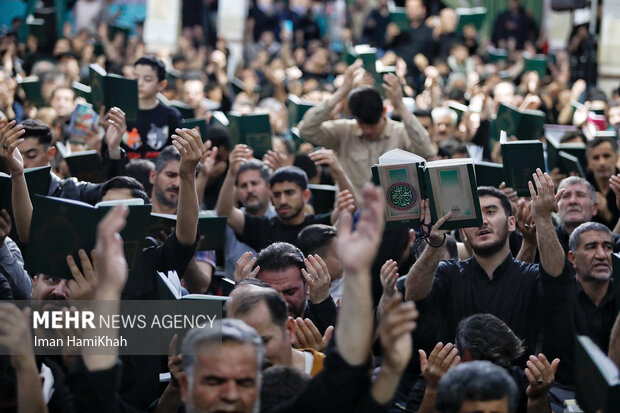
(254, 208)
(492, 249)
(161, 198)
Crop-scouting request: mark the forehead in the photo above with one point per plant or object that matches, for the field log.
(117, 193)
(577, 188)
(486, 406)
(171, 166)
(285, 186)
(259, 318)
(235, 361)
(63, 93)
(250, 175)
(282, 279)
(30, 143)
(601, 148)
(594, 236)
(487, 201)
(145, 70)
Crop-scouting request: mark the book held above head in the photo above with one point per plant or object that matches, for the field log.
(450, 186)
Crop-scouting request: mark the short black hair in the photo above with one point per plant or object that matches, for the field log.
(169, 153)
(570, 135)
(494, 192)
(599, 141)
(254, 165)
(290, 174)
(366, 105)
(304, 162)
(156, 63)
(279, 256)
(219, 136)
(486, 337)
(475, 381)
(279, 384)
(314, 238)
(140, 169)
(124, 182)
(34, 128)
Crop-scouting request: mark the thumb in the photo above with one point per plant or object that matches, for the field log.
(328, 335)
(423, 359)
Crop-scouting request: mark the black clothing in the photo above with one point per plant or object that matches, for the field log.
(446, 42)
(323, 314)
(463, 288)
(152, 132)
(611, 202)
(416, 40)
(375, 27)
(260, 232)
(569, 312)
(520, 27)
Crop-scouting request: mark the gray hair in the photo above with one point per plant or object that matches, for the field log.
(577, 180)
(169, 153)
(441, 111)
(231, 330)
(575, 237)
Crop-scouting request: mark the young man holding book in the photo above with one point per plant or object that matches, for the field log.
(359, 142)
(289, 195)
(492, 280)
(156, 121)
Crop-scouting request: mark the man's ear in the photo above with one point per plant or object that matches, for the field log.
(571, 258)
(290, 329)
(162, 85)
(184, 386)
(51, 153)
(306, 195)
(512, 226)
(152, 176)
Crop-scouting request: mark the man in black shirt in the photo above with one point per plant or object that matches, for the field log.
(418, 39)
(584, 305)
(492, 281)
(602, 154)
(156, 121)
(289, 195)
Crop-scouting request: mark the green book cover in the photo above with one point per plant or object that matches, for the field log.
(451, 187)
(111, 90)
(475, 16)
(211, 229)
(187, 112)
(323, 197)
(297, 139)
(536, 63)
(296, 110)
(201, 124)
(398, 16)
(597, 384)
(37, 181)
(459, 108)
(369, 58)
(570, 164)
(219, 118)
(31, 86)
(523, 125)
(82, 90)
(496, 55)
(86, 166)
(253, 130)
(520, 159)
(62, 226)
(489, 173)
(554, 147)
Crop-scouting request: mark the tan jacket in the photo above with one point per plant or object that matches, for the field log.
(357, 154)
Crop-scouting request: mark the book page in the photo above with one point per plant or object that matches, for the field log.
(401, 186)
(452, 191)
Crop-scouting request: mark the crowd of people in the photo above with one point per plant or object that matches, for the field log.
(330, 311)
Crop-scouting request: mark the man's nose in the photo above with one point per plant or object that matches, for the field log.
(230, 391)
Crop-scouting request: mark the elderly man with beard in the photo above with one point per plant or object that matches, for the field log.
(492, 281)
(584, 305)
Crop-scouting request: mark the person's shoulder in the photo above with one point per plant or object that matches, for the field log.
(318, 219)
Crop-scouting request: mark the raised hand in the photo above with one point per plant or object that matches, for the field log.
(350, 75)
(388, 276)
(83, 284)
(540, 374)
(191, 148)
(614, 184)
(116, 128)
(345, 202)
(393, 89)
(10, 138)
(525, 222)
(175, 362)
(436, 236)
(317, 278)
(239, 154)
(357, 249)
(441, 359)
(275, 160)
(308, 336)
(15, 332)
(543, 199)
(326, 157)
(394, 330)
(109, 257)
(243, 268)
